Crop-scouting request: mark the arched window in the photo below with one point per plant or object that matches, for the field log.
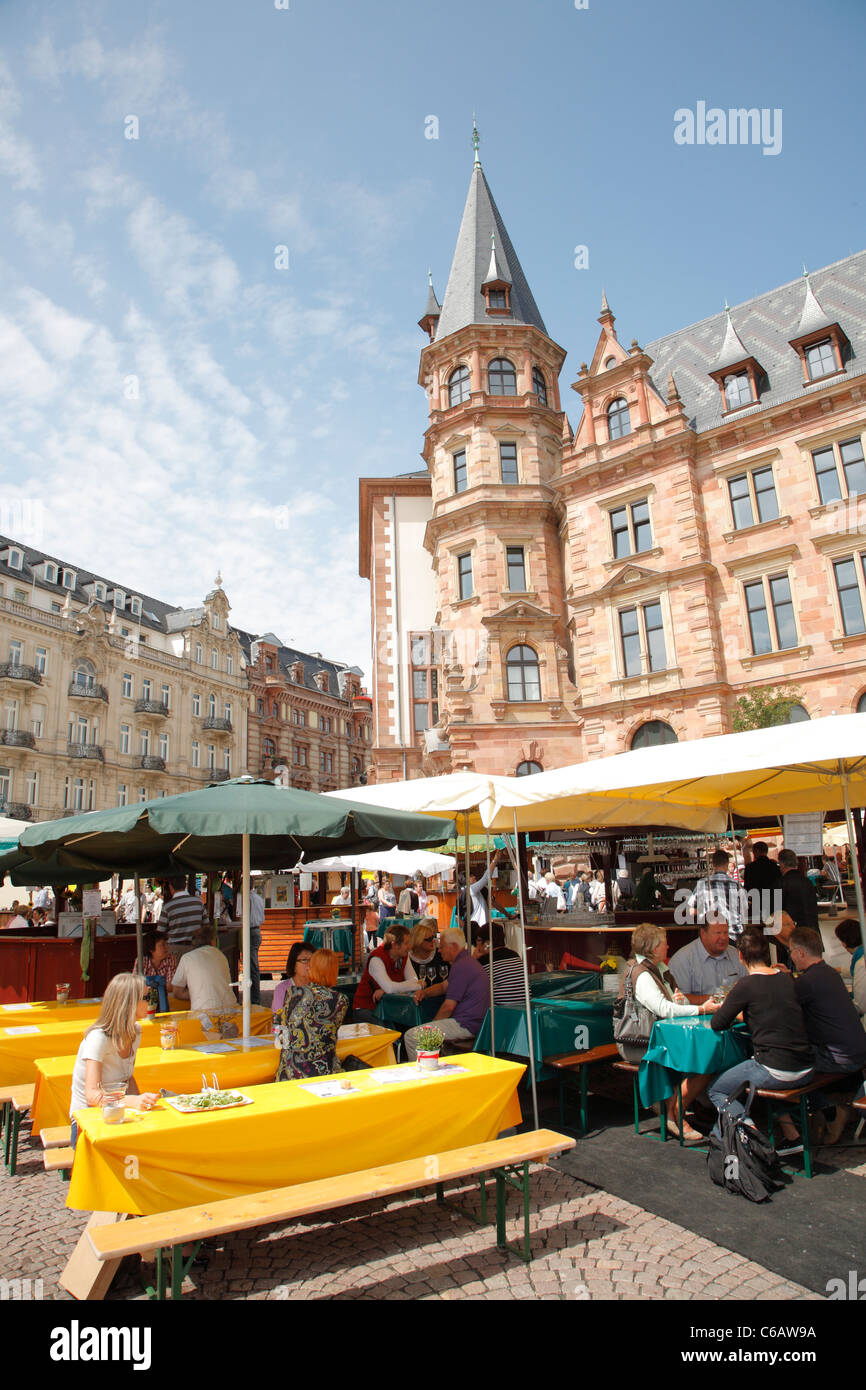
(539, 385)
(211, 706)
(458, 386)
(269, 748)
(522, 675)
(652, 734)
(84, 673)
(861, 704)
(618, 419)
(527, 769)
(501, 377)
(798, 714)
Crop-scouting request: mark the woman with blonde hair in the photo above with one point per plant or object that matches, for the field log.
(309, 1021)
(388, 971)
(106, 1054)
(648, 994)
(425, 957)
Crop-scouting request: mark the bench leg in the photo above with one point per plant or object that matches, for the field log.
(807, 1139)
(13, 1125)
(636, 1104)
(584, 1116)
(518, 1178)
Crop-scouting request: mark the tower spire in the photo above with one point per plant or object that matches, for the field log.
(476, 141)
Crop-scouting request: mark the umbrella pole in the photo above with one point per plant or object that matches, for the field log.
(526, 989)
(467, 898)
(139, 945)
(855, 858)
(490, 949)
(245, 934)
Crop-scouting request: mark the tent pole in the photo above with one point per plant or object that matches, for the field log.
(855, 860)
(245, 933)
(490, 947)
(467, 900)
(526, 991)
(139, 944)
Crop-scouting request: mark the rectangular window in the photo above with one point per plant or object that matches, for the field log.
(230, 665)
(11, 714)
(198, 653)
(642, 630)
(213, 659)
(16, 559)
(126, 685)
(853, 466)
(37, 720)
(144, 742)
(123, 795)
(165, 693)
(50, 573)
(16, 652)
(196, 753)
(146, 689)
(31, 786)
(125, 738)
(460, 471)
(41, 660)
(211, 757)
(196, 705)
(142, 793)
(820, 359)
(464, 576)
(302, 758)
(227, 711)
(762, 596)
(69, 579)
(630, 529)
(516, 568)
(421, 717)
(119, 599)
(759, 621)
(508, 463)
(227, 760)
(163, 746)
(753, 495)
(783, 612)
(5, 784)
(850, 601)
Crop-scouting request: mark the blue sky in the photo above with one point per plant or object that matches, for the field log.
(178, 404)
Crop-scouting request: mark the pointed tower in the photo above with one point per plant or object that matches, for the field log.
(492, 448)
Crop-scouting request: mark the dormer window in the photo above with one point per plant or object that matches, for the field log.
(819, 341)
(618, 419)
(738, 390)
(50, 572)
(215, 620)
(496, 287)
(135, 607)
(497, 299)
(119, 599)
(68, 580)
(15, 559)
(820, 359)
(99, 592)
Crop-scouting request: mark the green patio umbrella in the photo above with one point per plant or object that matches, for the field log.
(246, 823)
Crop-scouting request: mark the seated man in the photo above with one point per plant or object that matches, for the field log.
(203, 976)
(467, 998)
(832, 1025)
(707, 963)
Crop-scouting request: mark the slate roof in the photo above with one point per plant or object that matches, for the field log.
(464, 303)
(311, 663)
(765, 326)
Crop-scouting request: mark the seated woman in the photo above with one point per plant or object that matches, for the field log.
(297, 973)
(425, 959)
(309, 1021)
(645, 973)
(848, 932)
(508, 983)
(388, 971)
(768, 1002)
(158, 960)
(106, 1053)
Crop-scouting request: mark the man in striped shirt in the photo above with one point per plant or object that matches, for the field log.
(508, 982)
(181, 917)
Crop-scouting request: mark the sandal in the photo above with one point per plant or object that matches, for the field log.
(690, 1136)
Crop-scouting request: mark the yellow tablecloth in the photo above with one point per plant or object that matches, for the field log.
(48, 1011)
(181, 1070)
(58, 1036)
(161, 1160)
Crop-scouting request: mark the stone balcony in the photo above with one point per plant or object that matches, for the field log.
(151, 707)
(216, 724)
(91, 751)
(16, 810)
(83, 691)
(150, 762)
(22, 675)
(17, 738)
(218, 774)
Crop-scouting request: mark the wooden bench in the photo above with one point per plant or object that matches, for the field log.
(59, 1160)
(15, 1102)
(57, 1137)
(633, 1068)
(792, 1096)
(508, 1159)
(579, 1062)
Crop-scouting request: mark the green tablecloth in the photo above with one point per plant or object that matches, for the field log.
(557, 982)
(687, 1047)
(401, 1011)
(320, 935)
(558, 1025)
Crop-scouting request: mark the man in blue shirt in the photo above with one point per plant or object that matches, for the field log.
(709, 962)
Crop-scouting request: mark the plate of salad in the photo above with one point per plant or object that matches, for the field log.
(197, 1102)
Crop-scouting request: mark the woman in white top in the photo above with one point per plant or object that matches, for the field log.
(106, 1053)
(598, 892)
(649, 945)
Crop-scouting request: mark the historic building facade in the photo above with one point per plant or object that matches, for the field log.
(542, 595)
(306, 714)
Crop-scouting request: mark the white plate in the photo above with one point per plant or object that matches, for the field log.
(178, 1103)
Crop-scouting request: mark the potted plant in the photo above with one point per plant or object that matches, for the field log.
(429, 1040)
(610, 970)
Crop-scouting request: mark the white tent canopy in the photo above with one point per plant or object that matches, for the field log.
(390, 861)
(472, 793)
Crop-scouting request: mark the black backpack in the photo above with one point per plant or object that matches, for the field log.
(743, 1160)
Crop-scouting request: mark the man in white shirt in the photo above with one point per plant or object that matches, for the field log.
(203, 976)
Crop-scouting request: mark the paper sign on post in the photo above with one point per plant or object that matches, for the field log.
(91, 902)
(804, 834)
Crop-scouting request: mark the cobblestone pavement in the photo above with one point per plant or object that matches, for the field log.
(587, 1244)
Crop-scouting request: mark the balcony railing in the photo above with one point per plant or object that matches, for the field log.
(83, 691)
(150, 762)
(17, 738)
(85, 750)
(218, 774)
(16, 810)
(151, 707)
(27, 675)
(215, 722)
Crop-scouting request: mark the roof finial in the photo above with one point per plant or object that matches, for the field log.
(429, 277)
(476, 141)
(219, 580)
(805, 271)
(605, 307)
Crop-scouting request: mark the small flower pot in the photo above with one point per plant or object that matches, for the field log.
(428, 1061)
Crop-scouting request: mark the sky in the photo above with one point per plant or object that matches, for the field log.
(218, 218)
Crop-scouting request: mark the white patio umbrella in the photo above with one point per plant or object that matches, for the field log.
(390, 861)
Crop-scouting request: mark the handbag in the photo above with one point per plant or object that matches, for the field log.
(632, 1021)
